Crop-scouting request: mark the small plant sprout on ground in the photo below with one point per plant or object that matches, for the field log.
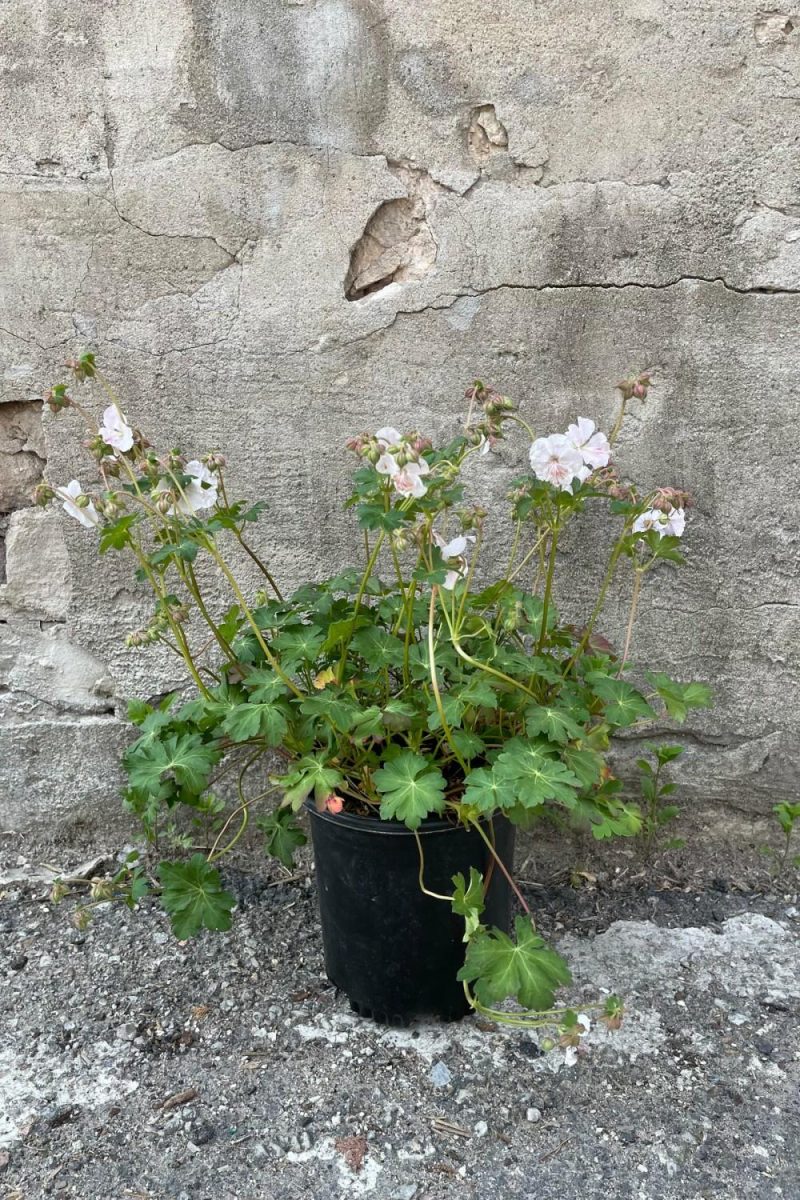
(787, 815)
(429, 682)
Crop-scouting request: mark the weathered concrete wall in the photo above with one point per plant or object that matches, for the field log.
(281, 221)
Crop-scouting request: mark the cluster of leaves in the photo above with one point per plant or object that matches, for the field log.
(656, 788)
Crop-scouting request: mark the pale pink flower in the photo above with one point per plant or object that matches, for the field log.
(408, 482)
(334, 804)
(115, 430)
(86, 515)
(387, 464)
(591, 444)
(388, 436)
(670, 523)
(555, 460)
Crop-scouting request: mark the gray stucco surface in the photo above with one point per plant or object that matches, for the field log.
(541, 196)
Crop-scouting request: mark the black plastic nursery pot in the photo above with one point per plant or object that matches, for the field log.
(392, 950)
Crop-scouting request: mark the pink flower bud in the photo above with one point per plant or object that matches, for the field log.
(334, 804)
(42, 494)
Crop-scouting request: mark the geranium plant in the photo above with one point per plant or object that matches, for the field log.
(424, 682)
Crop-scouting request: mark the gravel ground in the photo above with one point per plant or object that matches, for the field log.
(132, 1066)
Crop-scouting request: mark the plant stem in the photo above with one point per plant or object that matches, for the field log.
(270, 657)
(435, 683)
(373, 558)
(435, 895)
(548, 588)
(637, 588)
(504, 869)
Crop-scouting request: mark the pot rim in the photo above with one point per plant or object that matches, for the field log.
(385, 828)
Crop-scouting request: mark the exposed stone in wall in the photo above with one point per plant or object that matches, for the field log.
(397, 245)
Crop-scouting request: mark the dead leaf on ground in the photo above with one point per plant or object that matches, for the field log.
(353, 1150)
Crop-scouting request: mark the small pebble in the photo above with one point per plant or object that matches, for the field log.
(533, 1114)
(440, 1075)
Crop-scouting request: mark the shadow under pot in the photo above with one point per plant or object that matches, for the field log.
(392, 950)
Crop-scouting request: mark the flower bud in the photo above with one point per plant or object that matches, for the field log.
(214, 461)
(42, 494)
(174, 461)
(165, 502)
(81, 918)
(400, 539)
(96, 447)
(58, 891)
(83, 367)
(101, 889)
(57, 399)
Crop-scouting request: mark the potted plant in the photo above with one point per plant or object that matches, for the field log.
(416, 708)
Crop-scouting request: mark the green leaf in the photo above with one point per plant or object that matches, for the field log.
(247, 721)
(185, 755)
(337, 632)
(468, 901)
(192, 895)
(557, 724)
(309, 774)
(680, 697)
(529, 970)
(786, 815)
(478, 693)
(378, 647)
(453, 709)
(484, 790)
(586, 764)
(340, 710)
(410, 787)
(399, 715)
(117, 535)
(300, 647)
(138, 710)
(468, 744)
(264, 685)
(283, 835)
(534, 776)
(624, 705)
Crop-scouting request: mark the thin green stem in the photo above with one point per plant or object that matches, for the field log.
(435, 895)
(477, 825)
(637, 589)
(270, 657)
(548, 589)
(373, 558)
(435, 683)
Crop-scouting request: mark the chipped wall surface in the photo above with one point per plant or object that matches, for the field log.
(282, 221)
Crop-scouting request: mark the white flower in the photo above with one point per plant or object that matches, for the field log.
(408, 482)
(388, 436)
(555, 460)
(580, 1029)
(88, 515)
(585, 1022)
(570, 1056)
(115, 430)
(199, 493)
(591, 444)
(455, 548)
(387, 464)
(672, 523)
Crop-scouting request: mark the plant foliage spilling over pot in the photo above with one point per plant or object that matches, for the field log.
(412, 686)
